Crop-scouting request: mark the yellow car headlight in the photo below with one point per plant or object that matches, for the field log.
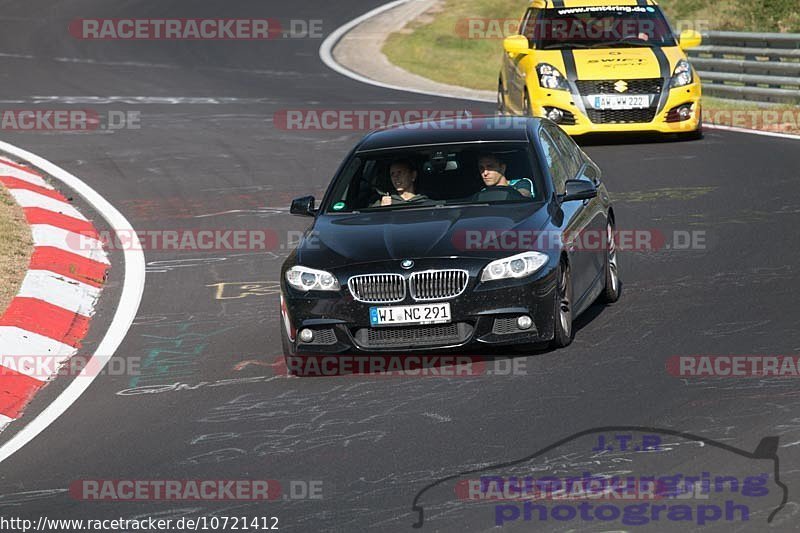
(551, 78)
(682, 75)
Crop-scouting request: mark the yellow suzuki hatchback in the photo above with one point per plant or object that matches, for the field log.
(600, 66)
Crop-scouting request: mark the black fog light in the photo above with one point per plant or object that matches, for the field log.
(524, 322)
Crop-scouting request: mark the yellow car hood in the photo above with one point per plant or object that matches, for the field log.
(603, 64)
(616, 63)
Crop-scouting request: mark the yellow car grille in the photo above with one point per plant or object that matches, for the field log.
(644, 86)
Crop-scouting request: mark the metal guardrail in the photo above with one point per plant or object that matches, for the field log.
(749, 66)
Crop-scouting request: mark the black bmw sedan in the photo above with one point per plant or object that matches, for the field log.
(451, 234)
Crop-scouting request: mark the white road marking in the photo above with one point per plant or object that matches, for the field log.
(326, 55)
(26, 198)
(16, 341)
(6, 170)
(59, 291)
(69, 241)
(130, 298)
(17, 56)
(142, 100)
(752, 132)
(37, 366)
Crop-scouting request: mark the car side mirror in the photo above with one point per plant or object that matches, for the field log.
(516, 45)
(303, 206)
(579, 190)
(690, 39)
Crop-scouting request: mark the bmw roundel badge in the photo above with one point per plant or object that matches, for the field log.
(407, 263)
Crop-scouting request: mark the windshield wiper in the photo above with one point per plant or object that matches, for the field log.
(380, 208)
(565, 45)
(462, 204)
(610, 44)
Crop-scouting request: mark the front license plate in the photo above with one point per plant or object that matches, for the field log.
(627, 101)
(410, 314)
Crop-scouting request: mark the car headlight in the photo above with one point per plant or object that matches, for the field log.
(551, 78)
(308, 279)
(516, 266)
(682, 75)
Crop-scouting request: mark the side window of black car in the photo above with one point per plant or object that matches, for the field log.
(590, 173)
(568, 148)
(556, 162)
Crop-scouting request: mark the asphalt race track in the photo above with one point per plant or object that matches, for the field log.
(208, 155)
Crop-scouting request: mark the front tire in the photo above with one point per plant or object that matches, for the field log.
(695, 135)
(526, 105)
(562, 331)
(613, 288)
(501, 99)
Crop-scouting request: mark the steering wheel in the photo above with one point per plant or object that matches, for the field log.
(637, 36)
(499, 193)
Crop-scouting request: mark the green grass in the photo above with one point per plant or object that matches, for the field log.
(15, 248)
(736, 15)
(437, 50)
(779, 118)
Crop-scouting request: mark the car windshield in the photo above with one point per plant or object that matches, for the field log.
(600, 27)
(437, 176)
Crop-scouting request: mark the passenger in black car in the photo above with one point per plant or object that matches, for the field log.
(492, 171)
(404, 178)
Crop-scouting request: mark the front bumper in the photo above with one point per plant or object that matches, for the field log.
(542, 100)
(484, 314)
